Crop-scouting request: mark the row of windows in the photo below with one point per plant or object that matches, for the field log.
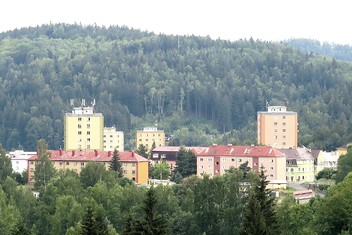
(80, 119)
(140, 140)
(284, 123)
(80, 132)
(140, 135)
(283, 130)
(80, 125)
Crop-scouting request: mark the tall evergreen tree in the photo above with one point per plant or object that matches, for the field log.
(259, 216)
(44, 169)
(151, 224)
(5, 165)
(94, 223)
(186, 162)
(143, 151)
(115, 164)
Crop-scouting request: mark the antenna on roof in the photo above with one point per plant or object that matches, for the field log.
(72, 102)
(83, 102)
(93, 102)
(266, 103)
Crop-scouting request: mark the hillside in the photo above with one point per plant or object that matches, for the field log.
(199, 90)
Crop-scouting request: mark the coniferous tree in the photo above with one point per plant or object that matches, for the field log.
(88, 223)
(151, 224)
(186, 162)
(143, 151)
(259, 216)
(115, 164)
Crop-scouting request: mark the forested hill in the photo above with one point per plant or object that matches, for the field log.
(339, 52)
(197, 89)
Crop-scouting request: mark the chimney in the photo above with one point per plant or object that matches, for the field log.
(109, 153)
(73, 153)
(60, 152)
(96, 153)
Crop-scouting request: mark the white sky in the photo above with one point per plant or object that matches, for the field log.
(271, 20)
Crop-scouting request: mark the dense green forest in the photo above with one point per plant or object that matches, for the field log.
(199, 90)
(339, 52)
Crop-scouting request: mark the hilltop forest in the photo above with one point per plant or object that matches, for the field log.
(199, 90)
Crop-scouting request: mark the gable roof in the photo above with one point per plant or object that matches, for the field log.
(240, 151)
(299, 154)
(100, 156)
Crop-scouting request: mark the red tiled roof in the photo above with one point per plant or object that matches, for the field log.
(101, 156)
(252, 151)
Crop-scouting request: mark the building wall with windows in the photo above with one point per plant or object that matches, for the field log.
(216, 160)
(113, 139)
(150, 135)
(277, 127)
(134, 166)
(83, 129)
(19, 160)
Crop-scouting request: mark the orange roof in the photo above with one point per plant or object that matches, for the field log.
(243, 151)
(100, 156)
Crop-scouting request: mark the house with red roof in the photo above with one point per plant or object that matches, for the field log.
(134, 166)
(217, 159)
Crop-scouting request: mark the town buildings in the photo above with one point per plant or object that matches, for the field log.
(149, 137)
(134, 166)
(277, 127)
(217, 159)
(113, 139)
(83, 129)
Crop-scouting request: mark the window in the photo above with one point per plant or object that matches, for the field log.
(217, 163)
(239, 160)
(124, 171)
(201, 159)
(201, 167)
(88, 132)
(284, 123)
(283, 117)
(79, 132)
(79, 126)
(88, 119)
(271, 160)
(271, 175)
(255, 164)
(283, 130)
(275, 123)
(271, 168)
(88, 146)
(210, 159)
(275, 137)
(79, 119)
(110, 136)
(133, 172)
(232, 159)
(275, 130)
(67, 163)
(88, 139)
(284, 136)
(283, 143)
(133, 164)
(82, 163)
(224, 159)
(88, 125)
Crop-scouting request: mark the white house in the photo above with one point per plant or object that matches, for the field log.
(19, 160)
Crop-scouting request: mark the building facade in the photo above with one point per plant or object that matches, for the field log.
(300, 165)
(149, 136)
(134, 166)
(83, 129)
(113, 139)
(19, 160)
(216, 160)
(277, 127)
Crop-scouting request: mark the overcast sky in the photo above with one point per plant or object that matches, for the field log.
(270, 20)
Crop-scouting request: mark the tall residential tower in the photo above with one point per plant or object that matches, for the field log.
(277, 127)
(83, 129)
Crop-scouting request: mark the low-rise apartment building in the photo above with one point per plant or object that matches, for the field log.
(150, 136)
(216, 160)
(19, 160)
(134, 166)
(113, 139)
(299, 165)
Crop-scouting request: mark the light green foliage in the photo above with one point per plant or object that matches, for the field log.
(344, 165)
(9, 216)
(161, 171)
(92, 173)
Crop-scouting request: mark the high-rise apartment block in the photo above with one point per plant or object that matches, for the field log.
(113, 139)
(83, 129)
(277, 127)
(149, 136)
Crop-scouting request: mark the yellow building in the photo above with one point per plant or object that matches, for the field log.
(150, 135)
(134, 166)
(83, 129)
(113, 139)
(277, 127)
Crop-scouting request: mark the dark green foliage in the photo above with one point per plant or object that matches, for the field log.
(92, 173)
(326, 173)
(186, 163)
(5, 165)
(115, 164)
(151, 223)
(259, 216)
(94, 223)
(344, 165)
(143, 151)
